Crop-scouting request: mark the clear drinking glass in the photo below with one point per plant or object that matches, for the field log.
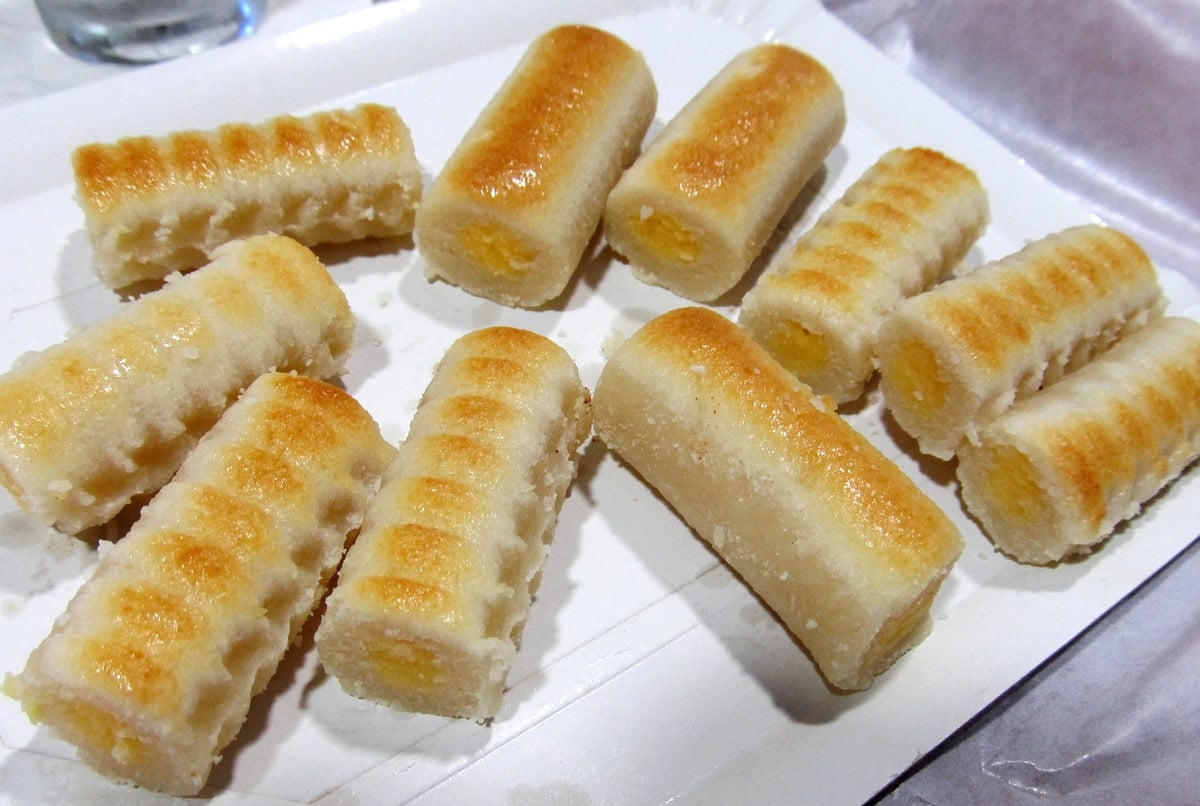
(145, 30)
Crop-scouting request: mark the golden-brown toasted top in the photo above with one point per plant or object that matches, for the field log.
(436, 554)
(244, 526)
(286, 268)
(477, 416)
(298, 422)
(919, 168)
(229, 541)
(1134, 405)
(767, 92)
(129, 671)
(319, 400)
(300, 430)
(999, 309)
(433, 559)
(422, 569)
(40, 401)
(280, 268)
(107, 174)
(98, 370)
(491, 372)
(501, 362)
(35, 414)
(150, 616)
(888, 511)
(507, 341)
(140, 642)
(259, 476)
(834, 272)
(436, 534)
(156, 614)
(554, 98)
(892, 202)
(198, 567)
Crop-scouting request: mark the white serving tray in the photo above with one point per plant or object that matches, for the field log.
(648, 672)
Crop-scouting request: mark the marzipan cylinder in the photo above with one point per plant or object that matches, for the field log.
(833, 537)
(433, 596)
(510, 214)
(695, 210)
(957, 356)
(106, 416)
(1053, 475)
(154, 206)
(151, 670)
(902, 227)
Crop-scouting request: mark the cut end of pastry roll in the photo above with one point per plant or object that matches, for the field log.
(510, 214)
(899, 229)
(151, 670)
(955, 357)
(1056, 473)
(833, 537)
(694, 211)
(157, 205)
(432, 598)
(107, 415)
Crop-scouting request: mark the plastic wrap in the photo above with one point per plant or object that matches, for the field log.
(1098, 97)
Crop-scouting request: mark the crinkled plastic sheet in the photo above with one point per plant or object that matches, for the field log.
(1102, 98)
(1114, 719)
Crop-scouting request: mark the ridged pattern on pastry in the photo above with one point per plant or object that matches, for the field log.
(1053, 475)
(109, 413)
(899, 229)
(829, 533)
(151, 670)
(958, 355)
(431, 600)
(510, 214)
(695, 210)
(156, 205)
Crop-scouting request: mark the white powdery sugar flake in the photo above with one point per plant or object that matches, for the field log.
(614, 340)
(718, 536)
